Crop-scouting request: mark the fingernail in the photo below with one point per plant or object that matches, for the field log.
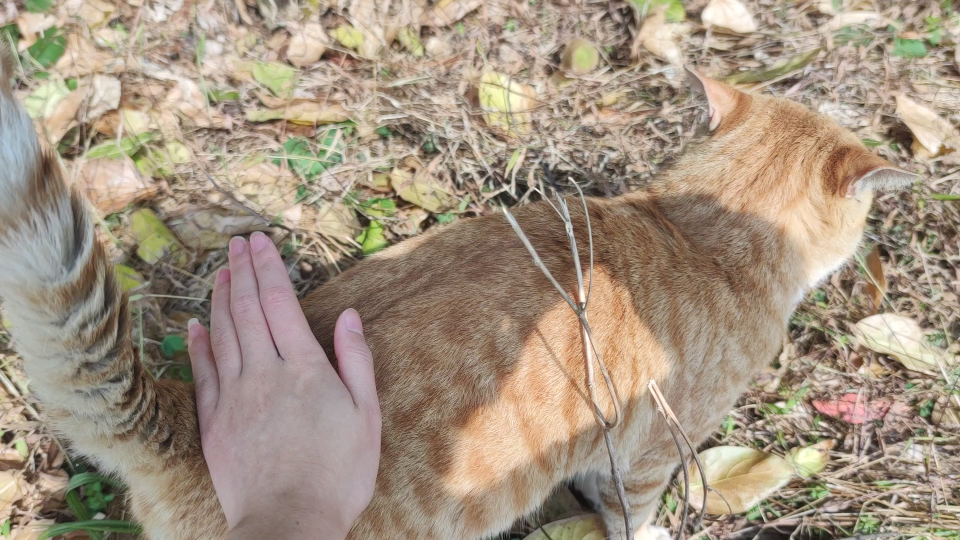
(193, 327)
(237, 245)
(258, 241)
(352, 320)
(223, 276)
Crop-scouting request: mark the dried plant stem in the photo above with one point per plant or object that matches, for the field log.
(589, 347)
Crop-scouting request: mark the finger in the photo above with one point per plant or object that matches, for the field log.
(256, 344)
(355, 362)
(204, 371)
(223, 334)
(288, 326)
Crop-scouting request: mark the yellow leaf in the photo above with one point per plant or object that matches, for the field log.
(411, 41)
(348, 36)
(129, 278)
(587, 527)
(447, 12)
(743, 476)
(902, 338)
(811, 460)
(155, 239)
(580, 56)
(506, 103)
(730, 14)
(301, 111)
(421, 189)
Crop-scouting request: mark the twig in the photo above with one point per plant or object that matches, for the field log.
(589, 347)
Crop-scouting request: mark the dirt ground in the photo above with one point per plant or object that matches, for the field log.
(343, 127)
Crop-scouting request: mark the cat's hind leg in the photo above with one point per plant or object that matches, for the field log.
(644, 483)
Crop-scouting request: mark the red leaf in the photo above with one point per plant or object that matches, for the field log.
(854, 408)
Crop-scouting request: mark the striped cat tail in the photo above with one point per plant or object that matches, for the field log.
(71, 325)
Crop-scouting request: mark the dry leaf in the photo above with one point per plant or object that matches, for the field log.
(587, 527)
(31, 24)
(854, 408)
(743, 476)
(335, 220)
(93, 12)
(367, 19)
(902, 338)
(63, 116)
(946, 413)
(931, 131)
(10, 490)
(104, 96)
(730, 14)
(270, 187)
(447, 12)
(301, 111)
(661, 38)
(113, 184)
(134, 122)
(188, 100)
(307, 45)
(42, 101)
(811, 460)
(876, 282)
(212, 228)
(855, 18)
(81, 58)
(506, 103)
(422, 189)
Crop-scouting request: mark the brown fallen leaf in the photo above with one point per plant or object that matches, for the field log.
(212, 228)
(333, 220)
(422, 189)
(934, 133)
(853, 408)
(31, 24)
(301, 111)
(32, 530)
(81, 58)
(729, 14)
(307, 44)
(367, 17)
(855, 18)
(63, 116)
(447, 12)
(876, 282)
(10, 490)
(93, 12)
(189, 101)
(134, 122)
(113, 184)
(270, 188)
(104, 95)
(661, 38)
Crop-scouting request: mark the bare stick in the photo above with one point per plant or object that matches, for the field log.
(589, 347)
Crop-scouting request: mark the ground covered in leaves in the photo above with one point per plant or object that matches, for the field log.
(343, 127)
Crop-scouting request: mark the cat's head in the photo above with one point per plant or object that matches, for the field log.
(775, 159)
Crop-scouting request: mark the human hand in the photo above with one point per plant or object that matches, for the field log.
(289, 443)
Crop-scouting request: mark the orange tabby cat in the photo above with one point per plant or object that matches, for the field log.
(479, 361)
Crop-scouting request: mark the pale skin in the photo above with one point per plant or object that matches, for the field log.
(292, 446)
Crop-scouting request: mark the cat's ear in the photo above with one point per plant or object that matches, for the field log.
(721, 98)
(869, 172)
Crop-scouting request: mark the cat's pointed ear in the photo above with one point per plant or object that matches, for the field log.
(721, 98)
(869, 172)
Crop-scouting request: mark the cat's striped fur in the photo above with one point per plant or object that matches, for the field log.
(479, 363)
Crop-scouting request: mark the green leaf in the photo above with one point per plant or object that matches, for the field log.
(275, 76)
(81, 479)
(674, 13)
(22, 448)
(5, 530)
(446, 218)
(127, 146)
(871, 143)
(97, 525)
(223, 95)
(37, 6)
(909, 48)
(172, 345)
(301, 159)
(945, 197)
(42, 101)
(372, 238)
(777, 70)
(49, 48)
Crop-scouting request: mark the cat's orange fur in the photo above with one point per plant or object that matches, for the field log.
(479, 362)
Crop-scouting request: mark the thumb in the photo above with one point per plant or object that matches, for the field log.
(355, 361)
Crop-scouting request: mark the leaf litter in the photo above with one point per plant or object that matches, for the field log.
(460, 98)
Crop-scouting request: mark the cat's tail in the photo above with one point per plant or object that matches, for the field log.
(71, 324)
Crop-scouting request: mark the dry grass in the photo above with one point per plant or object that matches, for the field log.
(611, 130)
